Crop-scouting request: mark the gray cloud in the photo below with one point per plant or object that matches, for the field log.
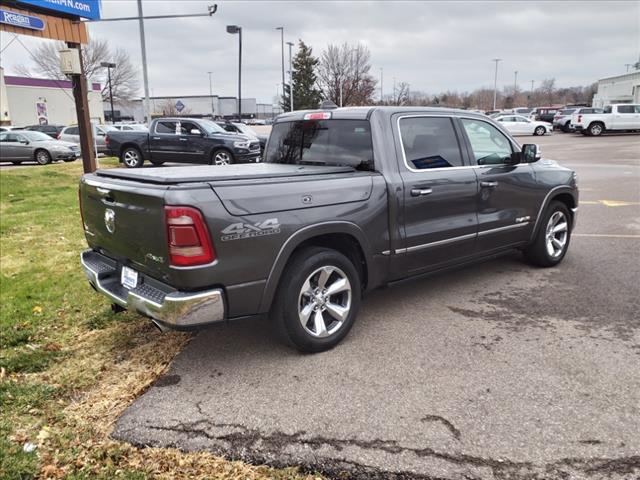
(434, 46)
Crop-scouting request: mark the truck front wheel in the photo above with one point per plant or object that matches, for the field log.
(318, 299)
(221, 157)
(131, 157)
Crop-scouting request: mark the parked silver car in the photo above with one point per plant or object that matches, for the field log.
(26, 146)
(72, 134)
(562, 119)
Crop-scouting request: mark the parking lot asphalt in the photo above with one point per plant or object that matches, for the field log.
(498, 370)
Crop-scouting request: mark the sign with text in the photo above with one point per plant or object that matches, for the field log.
(79, 8)
(19, 20)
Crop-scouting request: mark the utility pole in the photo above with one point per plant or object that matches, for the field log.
(290, 77)
(282, 52)
(381, 90)
(495, 82)
(515, 82)
(532, 81)
(211, 93)
(145, 74)
(80, 96)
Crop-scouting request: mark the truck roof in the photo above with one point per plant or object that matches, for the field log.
(364, 113)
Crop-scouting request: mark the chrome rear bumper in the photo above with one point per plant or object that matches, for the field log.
(170, 307)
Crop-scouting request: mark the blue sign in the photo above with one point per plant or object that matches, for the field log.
(20, 20)
(78, 8)
(179, 106)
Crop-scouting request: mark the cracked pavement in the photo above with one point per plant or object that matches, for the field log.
(498, 370)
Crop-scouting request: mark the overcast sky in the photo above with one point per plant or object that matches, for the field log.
(435, 46)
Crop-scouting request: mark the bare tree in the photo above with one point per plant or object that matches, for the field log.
(344, 72)
(124, 77)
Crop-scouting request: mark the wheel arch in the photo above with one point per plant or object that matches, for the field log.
(41, 149)
(564, 194)
(124, 146)
(344, 237)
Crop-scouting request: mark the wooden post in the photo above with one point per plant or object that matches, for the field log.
(81, 97)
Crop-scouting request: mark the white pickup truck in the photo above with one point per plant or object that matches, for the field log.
(618, 117)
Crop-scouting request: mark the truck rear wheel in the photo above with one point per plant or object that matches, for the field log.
(131, 157)
(596, 129)
(317, 300)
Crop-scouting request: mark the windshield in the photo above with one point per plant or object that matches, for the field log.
(608, 109)
(245, 129)
(36, 136)
(211, 127)
(322, 142)
(568, 111)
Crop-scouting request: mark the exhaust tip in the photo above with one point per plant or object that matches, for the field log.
(159, 326)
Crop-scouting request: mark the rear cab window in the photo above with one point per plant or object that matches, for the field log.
(331, 142)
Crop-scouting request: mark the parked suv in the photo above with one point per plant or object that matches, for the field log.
(72, 134)
(348, 200)
(52, 130)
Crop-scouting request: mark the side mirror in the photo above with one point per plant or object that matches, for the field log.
(195, 131)
(24, 142)
(531, 153)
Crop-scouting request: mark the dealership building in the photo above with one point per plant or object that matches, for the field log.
(191, 106)
(31, 101)
(619, 89)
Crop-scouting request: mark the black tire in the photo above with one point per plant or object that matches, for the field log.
(131, 157)
(538, 253)
(42, 157)
(566, 127)
(157, 163)
(221, 156)
(539, 131)
(288, 306)
(596, 129)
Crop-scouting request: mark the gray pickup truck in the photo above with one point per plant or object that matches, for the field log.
(347, 200)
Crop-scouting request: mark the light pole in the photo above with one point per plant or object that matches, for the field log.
(233, 29)
(495, 82)
(515, 82)
(282, 52)
(211, 93)
(381, 91)
(290, 77)
(109, 66)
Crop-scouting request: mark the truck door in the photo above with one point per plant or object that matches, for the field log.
(164, 141)
(193, 145)
(625, 118)
(507, 205)
(440, 190)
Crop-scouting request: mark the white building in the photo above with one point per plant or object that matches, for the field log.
(31, 101)
(191, 105)
(619, 89)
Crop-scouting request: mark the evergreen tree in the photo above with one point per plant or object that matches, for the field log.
(306, 94)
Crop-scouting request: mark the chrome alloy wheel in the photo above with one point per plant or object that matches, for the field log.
(131, 158)
(557, 234)
(324, 302)
(221, 158)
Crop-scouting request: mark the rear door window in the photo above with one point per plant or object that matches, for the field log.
(166, 128)
(322, 142)
(429, 142)
(626, 109)
(72, 131)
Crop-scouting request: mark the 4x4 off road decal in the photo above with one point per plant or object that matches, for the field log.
(236, 231)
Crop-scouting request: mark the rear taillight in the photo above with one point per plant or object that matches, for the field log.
(579, 118)
(106, 140)
(187, 237)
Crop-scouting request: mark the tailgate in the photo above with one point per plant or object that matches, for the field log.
(126, 221)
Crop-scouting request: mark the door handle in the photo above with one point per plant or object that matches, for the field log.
(183, 139)
(418, 192)
(155, 138)
(491, 184)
